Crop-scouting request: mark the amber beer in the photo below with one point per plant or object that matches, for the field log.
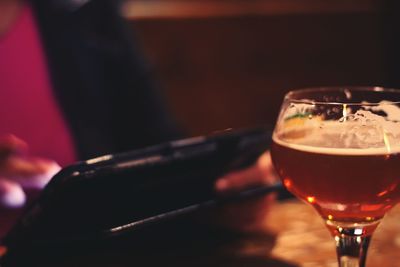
(343, 184)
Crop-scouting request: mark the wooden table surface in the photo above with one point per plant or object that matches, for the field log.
(302, 238)
(292, 235)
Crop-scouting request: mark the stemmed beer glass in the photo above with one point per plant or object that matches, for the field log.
(338, 148)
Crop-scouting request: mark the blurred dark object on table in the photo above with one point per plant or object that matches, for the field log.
(178, 242)
(293, 235)
(111, 195)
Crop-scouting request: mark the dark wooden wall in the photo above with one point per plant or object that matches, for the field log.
(232, 71)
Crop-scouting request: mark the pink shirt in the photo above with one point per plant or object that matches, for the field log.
(28, 108)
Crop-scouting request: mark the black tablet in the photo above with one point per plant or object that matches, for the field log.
(109, 195)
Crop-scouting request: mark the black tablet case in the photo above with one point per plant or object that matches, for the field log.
(110, 195)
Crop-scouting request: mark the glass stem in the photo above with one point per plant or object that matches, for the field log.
(352, 241)
(352, 250)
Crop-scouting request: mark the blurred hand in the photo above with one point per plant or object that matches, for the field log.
(249, 215)
(18, 172)
(261, 173)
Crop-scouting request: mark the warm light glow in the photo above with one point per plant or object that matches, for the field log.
(358, 231)
(330, 217)
(381, 194)
(369, 218)
(344, 112)
(378, 89)
(3, 251)
(386, 141)
(287, 182)
(347, 93)
(372, 207)
(311, 199)
(99, 159)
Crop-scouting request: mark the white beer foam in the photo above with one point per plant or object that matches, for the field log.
(339, 138)
(364, 129)
(391, 109)
(339, 151)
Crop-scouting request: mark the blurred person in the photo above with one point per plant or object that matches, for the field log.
(74, 86)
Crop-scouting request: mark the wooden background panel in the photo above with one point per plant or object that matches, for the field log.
(150, 9)
(222, 72)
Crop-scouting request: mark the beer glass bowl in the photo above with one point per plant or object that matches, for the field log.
(338, 149)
